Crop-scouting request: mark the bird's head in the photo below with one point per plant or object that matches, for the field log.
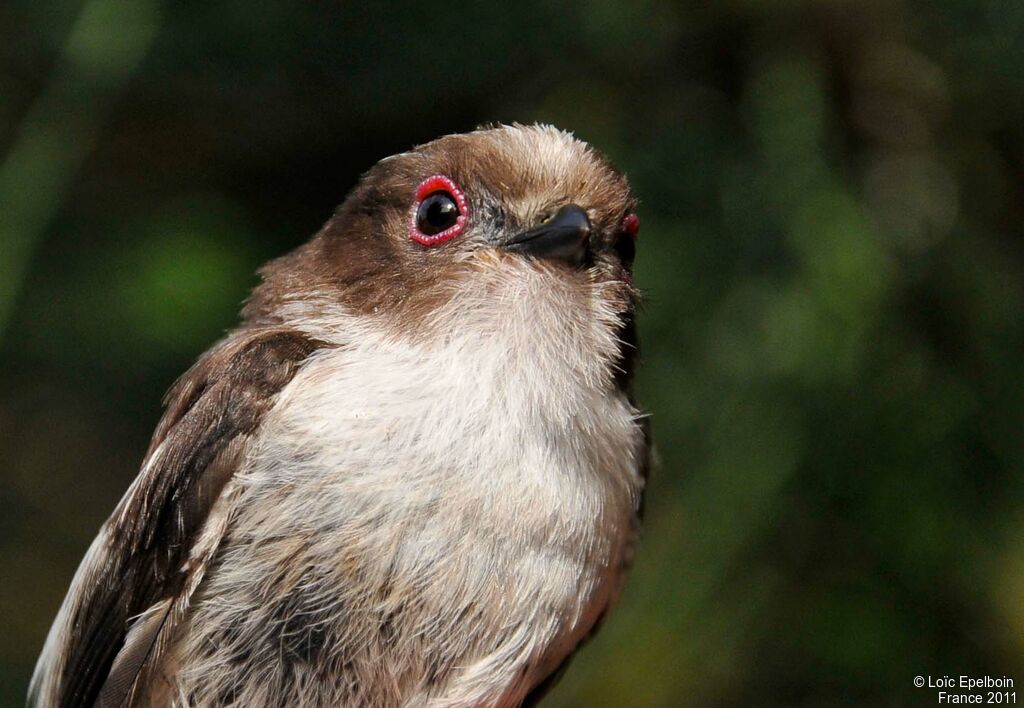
(521, 215)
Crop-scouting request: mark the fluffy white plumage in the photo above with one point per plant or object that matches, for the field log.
(420, 459)
(410, 478)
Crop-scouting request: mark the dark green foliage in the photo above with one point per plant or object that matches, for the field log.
(832, 249)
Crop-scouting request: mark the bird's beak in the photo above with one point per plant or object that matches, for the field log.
(564, 237)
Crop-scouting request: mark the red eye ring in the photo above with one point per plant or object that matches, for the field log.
(631, 224)
(432, 185)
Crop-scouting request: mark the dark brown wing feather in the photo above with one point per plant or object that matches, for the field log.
(212, 413)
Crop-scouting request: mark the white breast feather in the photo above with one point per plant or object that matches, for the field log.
(488, 466)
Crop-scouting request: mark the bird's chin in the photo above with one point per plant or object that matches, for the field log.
(495, 274)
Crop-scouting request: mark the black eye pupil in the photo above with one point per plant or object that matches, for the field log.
(625, 247)
(436, 213)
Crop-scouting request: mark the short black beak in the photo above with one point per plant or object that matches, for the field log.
(564, 237)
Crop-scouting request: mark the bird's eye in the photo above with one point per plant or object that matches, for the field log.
(440, 212)
(436, 213)
(631, 224)
(625, 249)
(625, 244)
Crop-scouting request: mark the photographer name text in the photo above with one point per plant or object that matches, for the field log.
(959, 690)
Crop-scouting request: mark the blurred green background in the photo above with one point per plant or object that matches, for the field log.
(832, 249)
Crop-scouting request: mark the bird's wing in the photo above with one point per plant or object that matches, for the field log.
(151, 553)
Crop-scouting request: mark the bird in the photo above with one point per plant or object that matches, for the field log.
(412, 475)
